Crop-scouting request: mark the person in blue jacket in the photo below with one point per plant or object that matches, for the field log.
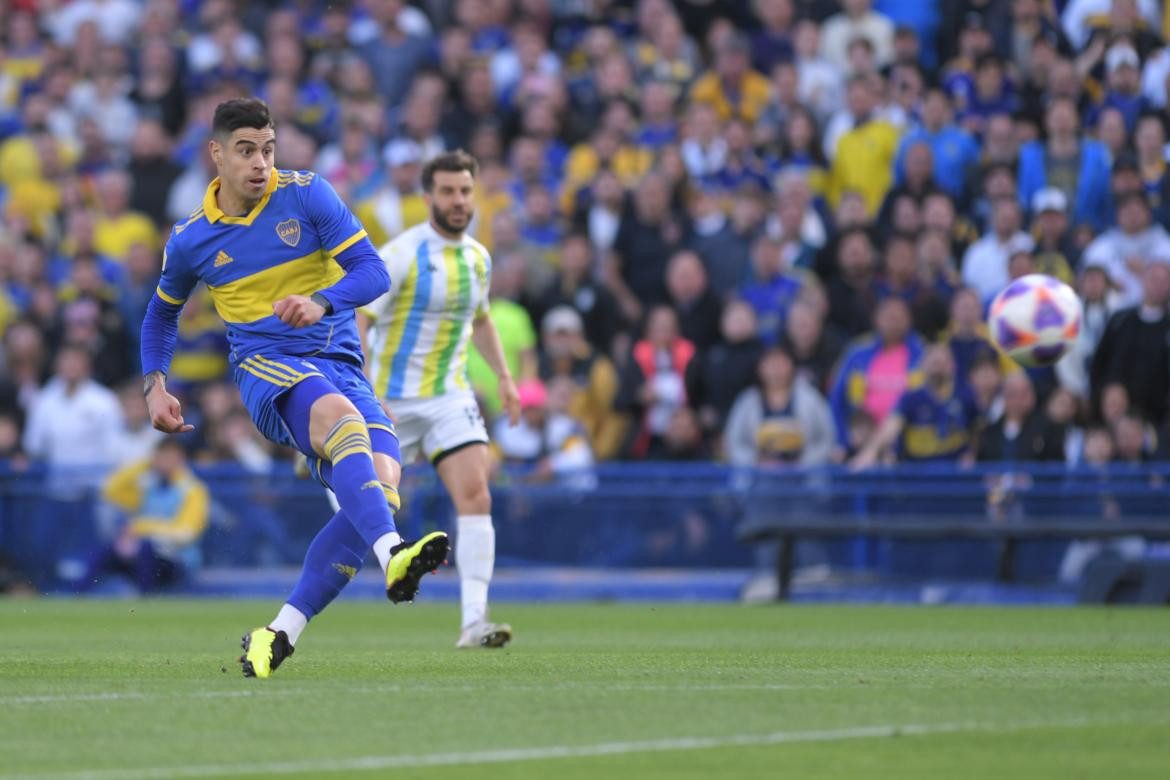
(1077, 166)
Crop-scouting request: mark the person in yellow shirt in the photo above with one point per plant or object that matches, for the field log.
(732, 87)
(866, 153)
(398, 204)
(118, 228)
(166, 509)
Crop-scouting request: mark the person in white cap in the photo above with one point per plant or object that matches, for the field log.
(398, 204)
(1055, 249)
(1123, 85)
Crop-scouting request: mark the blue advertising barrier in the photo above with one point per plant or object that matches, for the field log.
(623, 515)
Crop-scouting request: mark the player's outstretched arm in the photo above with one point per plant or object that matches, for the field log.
(165, 411)
(160, 331)
(487, 340)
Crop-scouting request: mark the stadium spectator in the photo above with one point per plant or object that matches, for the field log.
(857, 20)
(985, 264)
(395, 54)
(165, 509)
(551, 442)
(397, 204)
(1149, 141)
(935, 422)
(654, 380)
(732, 88)
(953, 149)
(770, 290)
(1024, 433)
(1077, 166)
(697, 308)
(566, 354)
(1055, 250)
(718, 374)
(901, 278)
(1126, 250)
(1098, 303)
(851, 289)
(863, 156)
(781, 420)
(813, 345)
(74, 424)
(1135, 349)
(648, 235)
(117, 227)
(575, 286)
(877, 370)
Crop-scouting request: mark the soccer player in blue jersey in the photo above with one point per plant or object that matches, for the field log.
(286, 263)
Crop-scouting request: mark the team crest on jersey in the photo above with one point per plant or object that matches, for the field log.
(289, 231)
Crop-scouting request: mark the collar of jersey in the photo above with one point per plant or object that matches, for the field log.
(214, 213)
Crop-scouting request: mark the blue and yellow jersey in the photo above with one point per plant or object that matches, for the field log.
(936, 428)
(285, 246)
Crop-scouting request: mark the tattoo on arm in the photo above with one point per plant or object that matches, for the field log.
(152, 379)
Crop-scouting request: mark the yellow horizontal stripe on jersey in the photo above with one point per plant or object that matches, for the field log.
(277, 366)
(169, 298)
(448, 325)
(347, 243)
(265, 377)
(380, 427)
(259, 369)
(402, 305)
(250, 298)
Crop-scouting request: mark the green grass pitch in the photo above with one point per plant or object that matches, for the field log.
(124, 690)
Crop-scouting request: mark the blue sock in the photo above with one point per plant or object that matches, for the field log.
(334, 557)
(354, 480)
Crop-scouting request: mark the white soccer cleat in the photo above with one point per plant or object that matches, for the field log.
(485, 634)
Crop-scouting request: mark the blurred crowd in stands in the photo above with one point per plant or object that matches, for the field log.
(758, 231)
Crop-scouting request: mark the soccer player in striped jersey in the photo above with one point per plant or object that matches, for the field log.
(417, 360)
(286, 263)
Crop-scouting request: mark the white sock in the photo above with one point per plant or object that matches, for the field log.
(382, 548)
(291, 621)
(475, 555)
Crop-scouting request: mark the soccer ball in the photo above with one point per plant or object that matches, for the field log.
(1035, 319)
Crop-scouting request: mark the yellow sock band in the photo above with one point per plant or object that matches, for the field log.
(348, 437)
(392, 497)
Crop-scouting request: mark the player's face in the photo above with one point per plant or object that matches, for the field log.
(244, 160)
(452, 200)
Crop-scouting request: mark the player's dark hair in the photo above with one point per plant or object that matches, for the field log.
(448, 162)
(233, 114)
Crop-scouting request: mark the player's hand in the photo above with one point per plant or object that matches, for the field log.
(166, 412)
(510, 399)
(298, 311)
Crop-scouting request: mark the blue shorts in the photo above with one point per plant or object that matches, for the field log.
(264, 379)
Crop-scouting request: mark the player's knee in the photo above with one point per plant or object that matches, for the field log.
(329, 412)
(474, 498)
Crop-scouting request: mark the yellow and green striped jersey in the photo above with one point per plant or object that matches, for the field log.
(423, 324)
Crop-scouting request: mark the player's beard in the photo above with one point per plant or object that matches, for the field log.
(442, 221)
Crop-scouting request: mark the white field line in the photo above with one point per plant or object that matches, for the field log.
(260, 691)
(507, 755)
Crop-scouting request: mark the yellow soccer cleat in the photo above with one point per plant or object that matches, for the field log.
(264, 650)
(410, 561)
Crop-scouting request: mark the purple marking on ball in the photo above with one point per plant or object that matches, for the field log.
(1006, 335)
(1049, 354)
(1048, 316)
(1015, 289)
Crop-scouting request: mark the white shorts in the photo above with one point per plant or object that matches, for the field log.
(437, 426)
